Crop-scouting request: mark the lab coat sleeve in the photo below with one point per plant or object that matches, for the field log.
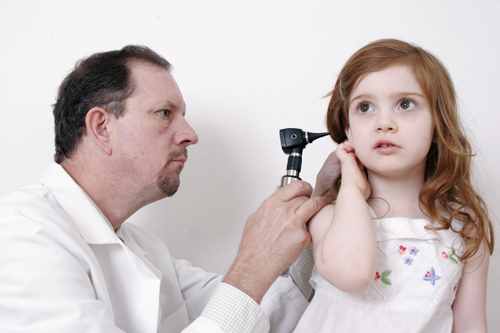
(44, 282)
(197, 286)
(283, 304)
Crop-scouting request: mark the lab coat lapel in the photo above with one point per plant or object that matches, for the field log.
(138, 256)
(122, 279)
(69, 195)
(92, 226)
(154, 254)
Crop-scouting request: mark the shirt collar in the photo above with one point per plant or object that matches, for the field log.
(88, 218)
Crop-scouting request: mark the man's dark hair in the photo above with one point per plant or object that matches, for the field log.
(102, 80)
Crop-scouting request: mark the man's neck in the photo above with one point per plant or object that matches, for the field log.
(110, 200)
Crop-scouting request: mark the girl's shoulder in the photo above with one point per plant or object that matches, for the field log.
(319, 223)
(324, 216)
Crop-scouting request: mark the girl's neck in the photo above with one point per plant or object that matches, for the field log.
(396, 197)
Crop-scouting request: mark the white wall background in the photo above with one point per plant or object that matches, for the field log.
(247, 69)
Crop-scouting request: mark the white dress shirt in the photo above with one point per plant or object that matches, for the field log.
(63, 269)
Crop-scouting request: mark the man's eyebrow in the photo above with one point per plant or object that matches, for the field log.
(169, 105)
(166, 104)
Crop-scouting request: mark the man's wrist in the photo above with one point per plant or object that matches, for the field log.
(248, 281)
(234, 311)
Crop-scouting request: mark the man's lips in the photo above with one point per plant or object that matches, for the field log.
(179, 155)
(181, 160)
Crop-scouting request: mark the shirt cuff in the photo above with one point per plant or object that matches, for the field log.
(301, 271)
(234, 311)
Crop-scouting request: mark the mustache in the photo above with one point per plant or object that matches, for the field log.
(179, 153)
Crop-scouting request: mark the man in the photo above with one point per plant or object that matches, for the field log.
(68, 261)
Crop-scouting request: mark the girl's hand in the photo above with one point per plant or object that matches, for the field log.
(352, 169)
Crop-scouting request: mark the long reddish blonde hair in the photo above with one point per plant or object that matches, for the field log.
(447, 193)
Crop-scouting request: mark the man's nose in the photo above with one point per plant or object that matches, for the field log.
(185, 135)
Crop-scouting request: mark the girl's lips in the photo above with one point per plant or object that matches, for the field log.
(386, 147)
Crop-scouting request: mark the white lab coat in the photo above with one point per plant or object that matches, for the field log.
(62, 269)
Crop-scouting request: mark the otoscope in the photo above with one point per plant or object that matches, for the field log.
(293, 141)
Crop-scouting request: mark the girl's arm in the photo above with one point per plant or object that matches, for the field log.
(469, 307)
(343, 237)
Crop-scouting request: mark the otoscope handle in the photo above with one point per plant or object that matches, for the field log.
(287, 179)
(292, 168)
(291, 176)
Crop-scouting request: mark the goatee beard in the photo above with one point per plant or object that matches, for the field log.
(168, 182)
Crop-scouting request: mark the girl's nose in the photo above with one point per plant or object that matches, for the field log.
(386, 122)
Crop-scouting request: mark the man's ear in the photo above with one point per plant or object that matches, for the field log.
(97, 122)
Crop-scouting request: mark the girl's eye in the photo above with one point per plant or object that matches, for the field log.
(165, 113)
(406, 104)
(365, 107)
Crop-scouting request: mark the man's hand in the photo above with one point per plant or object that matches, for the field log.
(326, 176)
(273, 238)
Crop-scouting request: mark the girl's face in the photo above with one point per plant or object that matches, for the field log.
(391, 128)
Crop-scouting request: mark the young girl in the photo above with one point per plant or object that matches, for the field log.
(405, 245)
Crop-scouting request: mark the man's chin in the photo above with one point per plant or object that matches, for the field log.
(169, 184)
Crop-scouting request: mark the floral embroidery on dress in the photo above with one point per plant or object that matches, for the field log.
(384, 277)
(456, 286)
(450, 255)
(408, 260)
(402, 249)
(413, 250)
(431, 276)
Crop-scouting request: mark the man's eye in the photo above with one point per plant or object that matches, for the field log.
(407, 104)
(165, 113)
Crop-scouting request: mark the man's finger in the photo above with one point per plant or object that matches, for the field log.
(294, 189)
(309, 208)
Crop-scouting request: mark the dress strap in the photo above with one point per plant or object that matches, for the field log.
(372, 213)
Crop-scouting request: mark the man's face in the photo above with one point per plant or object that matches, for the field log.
(153, 134)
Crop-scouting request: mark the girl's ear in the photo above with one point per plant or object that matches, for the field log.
(436, 140)
(348, 133)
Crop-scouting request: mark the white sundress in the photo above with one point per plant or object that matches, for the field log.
(413, 289)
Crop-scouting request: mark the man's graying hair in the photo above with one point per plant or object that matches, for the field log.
(100, 80)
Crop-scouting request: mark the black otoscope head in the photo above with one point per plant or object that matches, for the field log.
(293, 141)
